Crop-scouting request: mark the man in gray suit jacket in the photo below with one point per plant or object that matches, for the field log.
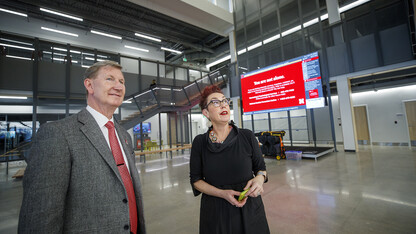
(72, 183)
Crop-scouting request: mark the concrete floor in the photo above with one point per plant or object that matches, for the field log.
(371, 191)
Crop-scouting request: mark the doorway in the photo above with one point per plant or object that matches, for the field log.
(410, 107)
(361, 123)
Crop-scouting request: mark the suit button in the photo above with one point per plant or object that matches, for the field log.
(126, 227)
(125, 200)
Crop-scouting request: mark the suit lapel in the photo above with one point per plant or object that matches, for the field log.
(94, 134)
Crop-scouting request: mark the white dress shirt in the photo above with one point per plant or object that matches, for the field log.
(101, 121)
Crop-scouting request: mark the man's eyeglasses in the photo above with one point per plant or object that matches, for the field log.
(217, 103)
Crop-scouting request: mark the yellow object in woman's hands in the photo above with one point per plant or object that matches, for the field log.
(242, 195)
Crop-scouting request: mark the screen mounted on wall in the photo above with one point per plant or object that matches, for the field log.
(146, 128)
(290, 85)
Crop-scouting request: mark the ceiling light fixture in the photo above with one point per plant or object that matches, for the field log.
(324, 17)
(19, 42)
(219, 61)
(13, 97)
(310, 22)
(18, 57)
(254, 46)
(59, 59)
(57, 48)
(59, 31)
(92, 59)
(148, 37)
(87, 54)
(17, 47)
(58, 54)
(106, 34)
(136, 48)
(61, 14)
(63, 60)
(292, 30)
(352, 5)
(270, 39)
(13, 12)
(242, 51)
(62, 49)
(174, 51)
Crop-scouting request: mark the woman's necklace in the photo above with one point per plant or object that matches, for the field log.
(214, 138)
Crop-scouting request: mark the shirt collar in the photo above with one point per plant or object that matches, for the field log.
(99, 118)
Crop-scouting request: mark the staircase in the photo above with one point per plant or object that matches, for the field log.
(164, 98)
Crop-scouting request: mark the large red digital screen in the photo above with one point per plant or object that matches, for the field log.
(291, 85)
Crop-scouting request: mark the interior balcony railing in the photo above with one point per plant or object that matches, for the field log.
(166, 98)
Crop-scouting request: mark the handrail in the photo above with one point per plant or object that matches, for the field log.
(17, 149)
(178, 88)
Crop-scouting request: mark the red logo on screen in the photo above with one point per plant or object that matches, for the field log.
(313, 93)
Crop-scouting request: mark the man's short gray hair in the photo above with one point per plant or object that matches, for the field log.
(91, 72)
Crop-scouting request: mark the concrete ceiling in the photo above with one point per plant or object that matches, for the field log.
(200, 13)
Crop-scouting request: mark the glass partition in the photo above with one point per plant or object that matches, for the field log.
(247, 124)
(299, 125)
(149, 68)
(181, 74)
(261, 122)
(194, 75)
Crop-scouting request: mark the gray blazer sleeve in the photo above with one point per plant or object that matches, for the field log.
(45, 183)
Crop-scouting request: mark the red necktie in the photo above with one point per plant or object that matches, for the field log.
(125, 175)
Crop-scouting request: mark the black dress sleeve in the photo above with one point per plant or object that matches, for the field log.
(195, 164)
(257, 157)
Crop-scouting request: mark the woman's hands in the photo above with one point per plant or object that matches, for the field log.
(229, 195)
(256, 188)
(226, 194)
(255, 185)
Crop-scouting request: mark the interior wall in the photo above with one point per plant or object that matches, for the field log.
(386, 114)
(16, 74)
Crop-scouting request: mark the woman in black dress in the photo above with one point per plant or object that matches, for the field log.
(225, 161)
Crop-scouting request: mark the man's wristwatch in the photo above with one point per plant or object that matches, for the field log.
(263, 174)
